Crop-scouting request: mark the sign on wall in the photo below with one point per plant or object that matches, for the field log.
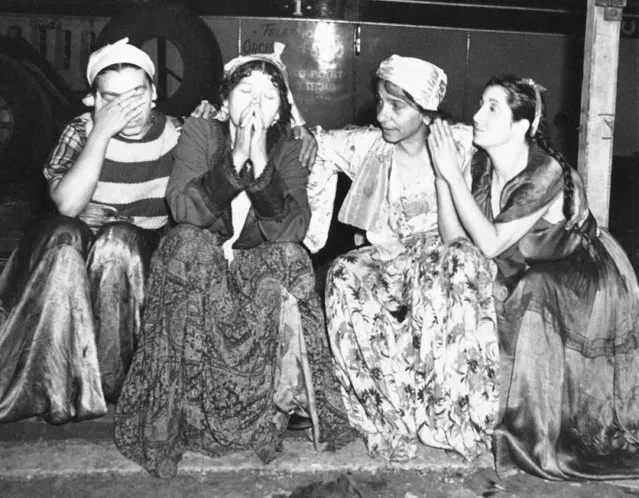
(319, 58)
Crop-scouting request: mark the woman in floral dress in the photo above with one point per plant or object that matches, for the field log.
(410, 317)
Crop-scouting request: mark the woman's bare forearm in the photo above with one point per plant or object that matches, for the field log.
(74, 190)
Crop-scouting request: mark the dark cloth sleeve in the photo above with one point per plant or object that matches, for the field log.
(532, 189)
(279, 195)
(219, 186)
(538, 185)
(551, 242)
(203, 180)
(267, 193)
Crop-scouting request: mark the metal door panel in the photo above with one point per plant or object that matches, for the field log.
(444, 47)
(546, 58)
(627, 114)
(226, 31)
(319, 58)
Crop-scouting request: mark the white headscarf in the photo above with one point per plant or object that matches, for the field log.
(120, 52)
(425, 82)
(276, 59)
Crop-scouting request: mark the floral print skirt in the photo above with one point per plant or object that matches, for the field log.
(415, 345)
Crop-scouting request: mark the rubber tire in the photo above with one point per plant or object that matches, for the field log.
(196, 43)
(32, 136)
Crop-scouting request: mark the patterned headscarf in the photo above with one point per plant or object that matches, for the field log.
(276, 59)
(423, 81)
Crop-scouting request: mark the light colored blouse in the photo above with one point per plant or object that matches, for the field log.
(389, 204)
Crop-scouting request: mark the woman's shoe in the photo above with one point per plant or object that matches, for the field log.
(298, 422)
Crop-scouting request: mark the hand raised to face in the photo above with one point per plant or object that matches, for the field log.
(123, 102)
(250, 139)
(253, 107)
(112, 116)
(242, 145)
(257, 154)
(446, 158)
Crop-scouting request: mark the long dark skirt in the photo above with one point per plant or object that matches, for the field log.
(228, 351)
(570, 375)
(70, 307)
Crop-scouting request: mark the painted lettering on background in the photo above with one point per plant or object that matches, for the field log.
(253, 47)
(319, 65)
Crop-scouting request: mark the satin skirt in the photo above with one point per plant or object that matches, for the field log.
(569, 337)
(70, 307)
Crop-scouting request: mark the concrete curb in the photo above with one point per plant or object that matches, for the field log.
(72, 458)
(78, 458)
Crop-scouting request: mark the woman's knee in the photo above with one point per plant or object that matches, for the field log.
(462, 256)
(461, 246)
(293, 252)
(124, 244)
(190, 233)
(121, 232)
(338, 269)
(189, 243)
(53, 231)
(130, 236)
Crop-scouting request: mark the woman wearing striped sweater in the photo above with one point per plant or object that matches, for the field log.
(71, 295)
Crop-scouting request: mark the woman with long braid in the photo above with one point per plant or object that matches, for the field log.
(567, 300)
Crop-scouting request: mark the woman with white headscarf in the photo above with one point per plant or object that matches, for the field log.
(233, 341)
(411, 316)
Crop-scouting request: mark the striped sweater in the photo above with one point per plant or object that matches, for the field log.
(134, 173)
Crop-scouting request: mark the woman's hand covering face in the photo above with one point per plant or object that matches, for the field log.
(253, 106)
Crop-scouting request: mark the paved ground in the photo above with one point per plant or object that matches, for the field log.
(75, 467)
(80, 460)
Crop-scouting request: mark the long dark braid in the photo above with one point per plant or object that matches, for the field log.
(544, 142)
(523, 97)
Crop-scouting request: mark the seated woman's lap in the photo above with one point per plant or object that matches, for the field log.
(186, 247)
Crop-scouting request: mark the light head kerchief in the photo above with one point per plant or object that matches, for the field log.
(538, 89)
(120, 52)
(425, 82)
(274, 58)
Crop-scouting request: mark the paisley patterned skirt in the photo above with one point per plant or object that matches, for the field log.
(416, 347)
(228, 351)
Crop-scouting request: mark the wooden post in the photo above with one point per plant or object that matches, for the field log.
(598, 98)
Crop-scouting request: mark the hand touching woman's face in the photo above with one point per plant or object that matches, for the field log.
(256, 95)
